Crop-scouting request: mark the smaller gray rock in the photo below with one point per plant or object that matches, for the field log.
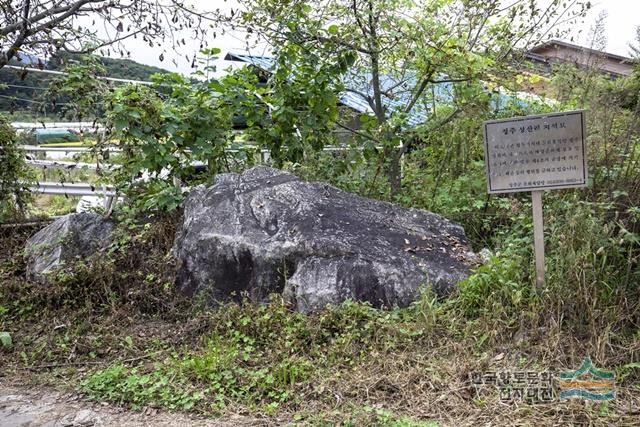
(485, 255)
(70, 238)
(83, 418)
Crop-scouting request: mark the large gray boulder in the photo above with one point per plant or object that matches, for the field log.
(266, 231)
(68, 239)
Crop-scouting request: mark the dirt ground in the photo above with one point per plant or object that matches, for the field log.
(25, 406)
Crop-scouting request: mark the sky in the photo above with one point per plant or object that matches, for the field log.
(623, 17)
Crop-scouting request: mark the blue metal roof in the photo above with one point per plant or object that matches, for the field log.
(396, 93)
(29, 59)
(266, 63)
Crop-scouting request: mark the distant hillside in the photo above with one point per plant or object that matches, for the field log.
(128, 69)
(21, 85)
(118, 68)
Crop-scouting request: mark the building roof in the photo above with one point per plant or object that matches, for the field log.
(614, 64)
(25, 58)
(55, 134)
(395, 97)
(562, 43)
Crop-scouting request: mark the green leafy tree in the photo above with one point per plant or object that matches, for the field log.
(166, 129)
(403, 48)
(294, 112)
(163, 131)
(79, 89)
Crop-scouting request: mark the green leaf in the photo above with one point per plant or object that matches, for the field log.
(5, 340)
(120, 124)
(210, 51)
(333, 29)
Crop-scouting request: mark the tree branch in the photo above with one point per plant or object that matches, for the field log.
(45, 14)
(54, 21)
(359, 133)
(24, 33)
(465, 79)
(418, 93)
(104, 44)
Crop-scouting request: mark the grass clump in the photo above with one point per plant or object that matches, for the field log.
(124, 385)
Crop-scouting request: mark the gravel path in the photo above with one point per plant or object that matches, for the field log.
(22, 406)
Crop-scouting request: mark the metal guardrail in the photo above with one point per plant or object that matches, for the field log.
(55, 125)
(73, 189)
(53, 164)
(39, 148)
(57, 164)
(108, 192)
(112, 149)
(48, 125)
(77, 189)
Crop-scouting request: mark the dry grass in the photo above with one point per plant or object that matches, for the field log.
(368, 367)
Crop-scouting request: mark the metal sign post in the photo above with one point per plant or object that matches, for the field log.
(538, 237)
(536, 153)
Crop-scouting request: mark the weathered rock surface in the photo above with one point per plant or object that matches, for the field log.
(266, 231)
(68, 239)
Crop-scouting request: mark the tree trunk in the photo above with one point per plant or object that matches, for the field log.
(394, 170)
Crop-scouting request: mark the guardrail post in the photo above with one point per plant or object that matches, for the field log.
(108, 203)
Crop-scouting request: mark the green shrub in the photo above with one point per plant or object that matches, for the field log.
(497, 289)
(15, 176)
(593, 265)
(120, 384)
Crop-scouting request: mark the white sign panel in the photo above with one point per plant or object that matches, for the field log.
(540, 152)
